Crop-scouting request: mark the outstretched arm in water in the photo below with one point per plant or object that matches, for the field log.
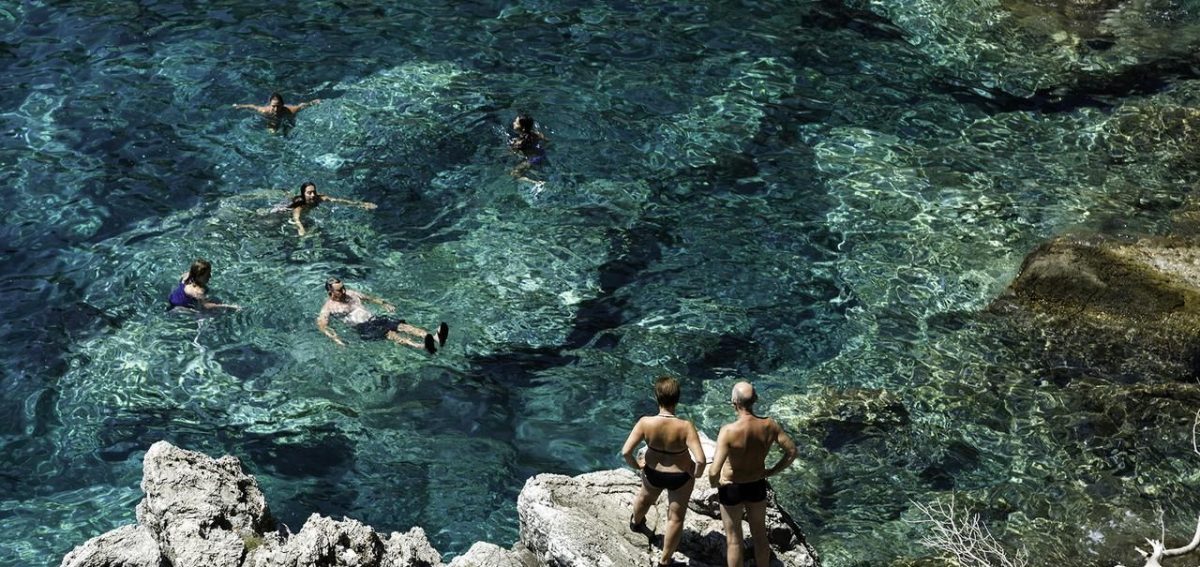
(323, 325)
(294, 108)
(364, 204)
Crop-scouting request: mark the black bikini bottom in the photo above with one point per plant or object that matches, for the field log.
(665, 480)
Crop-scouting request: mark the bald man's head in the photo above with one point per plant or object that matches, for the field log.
(744, 395)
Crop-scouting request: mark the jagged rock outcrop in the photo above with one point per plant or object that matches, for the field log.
(200, 510)
(126, 546)
(583, 521)
(206, 512)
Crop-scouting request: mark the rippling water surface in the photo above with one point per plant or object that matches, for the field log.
(792, 193)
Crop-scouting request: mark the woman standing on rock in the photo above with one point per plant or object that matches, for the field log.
(671, 443)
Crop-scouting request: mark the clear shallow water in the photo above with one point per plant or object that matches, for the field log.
(757, 190)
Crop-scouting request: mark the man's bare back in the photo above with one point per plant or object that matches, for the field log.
(748, 441)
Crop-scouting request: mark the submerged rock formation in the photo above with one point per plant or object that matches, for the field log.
(203, 512)
(1026, 48)
(1130, 303)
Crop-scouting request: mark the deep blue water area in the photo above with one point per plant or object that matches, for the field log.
(807, 195)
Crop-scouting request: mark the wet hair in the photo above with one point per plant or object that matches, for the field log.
(525, 123)
(201, 268)
(666, 391)
(298, 200)
(276, 96)
(744, 395)
(329, 283)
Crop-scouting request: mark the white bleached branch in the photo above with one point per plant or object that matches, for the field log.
(963, 537)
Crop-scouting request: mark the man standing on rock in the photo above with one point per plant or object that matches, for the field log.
(740, 464)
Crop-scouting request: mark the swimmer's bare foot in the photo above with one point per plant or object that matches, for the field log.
(429, 346)
(443, 332)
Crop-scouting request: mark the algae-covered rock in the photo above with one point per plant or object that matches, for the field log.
(1126, 309)
(1151, 287)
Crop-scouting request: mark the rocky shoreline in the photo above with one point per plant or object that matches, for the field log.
(205, 512)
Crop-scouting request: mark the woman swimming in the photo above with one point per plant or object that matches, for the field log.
(528, 142)
(192, 290)
(309, 199)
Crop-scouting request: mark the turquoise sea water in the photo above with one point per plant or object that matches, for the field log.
(807, 195)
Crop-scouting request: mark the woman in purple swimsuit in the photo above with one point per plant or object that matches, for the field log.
(192, 289)
(674, 458)
(529, 143)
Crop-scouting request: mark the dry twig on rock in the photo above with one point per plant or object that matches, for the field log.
(963, 537)
(1159, 551)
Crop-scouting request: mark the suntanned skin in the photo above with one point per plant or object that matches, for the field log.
(348, 304)
(741, 455)
(198, 289)
(669, 433)
(312, 199)
(275, 109)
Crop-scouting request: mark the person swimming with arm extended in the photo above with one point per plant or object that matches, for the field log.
(529, 143)
(278, 114)
(308, 199)
(192, 290)
(348, 305)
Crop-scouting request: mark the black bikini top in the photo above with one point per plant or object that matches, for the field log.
(665, 452)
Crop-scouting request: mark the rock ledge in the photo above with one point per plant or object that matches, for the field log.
(204, 512)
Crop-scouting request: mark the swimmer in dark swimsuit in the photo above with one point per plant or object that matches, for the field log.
(669, 465)
(740, 462)
(308, 199)
(279, 116)
(348, 305)
(527, 142)
(192, 289)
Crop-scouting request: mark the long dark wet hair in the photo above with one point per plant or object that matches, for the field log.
(298, 200)
(201, 268)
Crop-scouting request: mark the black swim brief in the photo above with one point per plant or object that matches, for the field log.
(377, 329)
(665, 480)
(737, 493)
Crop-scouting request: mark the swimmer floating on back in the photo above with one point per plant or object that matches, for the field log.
(309, 199)
(528, 143)
(193, 288)
(348, 305)
(279, 115)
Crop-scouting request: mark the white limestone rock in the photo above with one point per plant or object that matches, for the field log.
(126, 546)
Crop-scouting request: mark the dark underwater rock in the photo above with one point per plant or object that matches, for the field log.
(844, 416)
